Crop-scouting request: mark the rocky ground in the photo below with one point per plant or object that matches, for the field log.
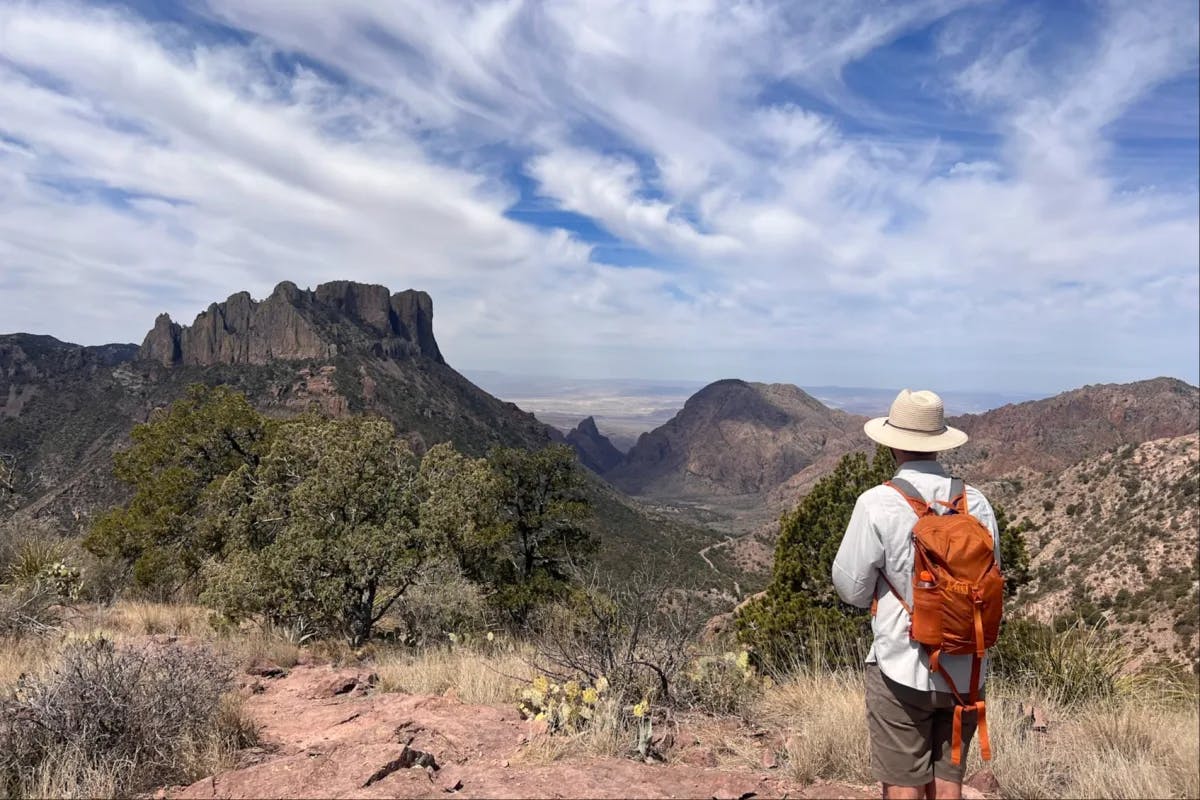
(327, 732)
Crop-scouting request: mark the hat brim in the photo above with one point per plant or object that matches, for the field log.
(913, 441)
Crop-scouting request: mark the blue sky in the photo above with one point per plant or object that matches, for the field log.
(966, 195)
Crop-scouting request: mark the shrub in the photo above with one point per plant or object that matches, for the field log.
(27, 610)
(1014, 558)
(722, 683)
(145, 715)
(441, 602)
(1076, 663)
(636, 636)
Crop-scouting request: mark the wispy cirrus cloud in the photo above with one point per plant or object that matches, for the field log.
(797, 193)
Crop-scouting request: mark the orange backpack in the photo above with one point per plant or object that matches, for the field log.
(958, 595)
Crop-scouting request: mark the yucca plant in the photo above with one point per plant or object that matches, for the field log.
(1079, 663)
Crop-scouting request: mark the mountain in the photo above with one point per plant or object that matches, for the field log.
(341, 348)
(1051, 434)
(739, 454)
(1116, 536)
(344, 347)
(730, 444)
(595, 451)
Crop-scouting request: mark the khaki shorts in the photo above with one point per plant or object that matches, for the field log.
(911, 731)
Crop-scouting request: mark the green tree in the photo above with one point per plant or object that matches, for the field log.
(1014, 558)
(174, 465)
(324, 530)
(799, 618)
(543, 511)
(460, 507)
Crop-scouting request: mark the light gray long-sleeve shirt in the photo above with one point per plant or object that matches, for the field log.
(879, 537)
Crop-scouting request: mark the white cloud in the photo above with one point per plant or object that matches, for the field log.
(144, 168)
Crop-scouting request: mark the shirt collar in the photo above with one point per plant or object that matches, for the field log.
(926, 467)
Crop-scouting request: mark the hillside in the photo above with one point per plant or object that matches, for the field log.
(63, 410)
(732, 442)
(1051, 434)
(1118, 537)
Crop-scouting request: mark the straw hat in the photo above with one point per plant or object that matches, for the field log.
(916, 422)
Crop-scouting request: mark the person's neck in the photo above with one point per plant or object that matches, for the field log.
(903, 458)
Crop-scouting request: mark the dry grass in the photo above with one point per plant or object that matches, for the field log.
(822, 717)
(1121, 748)
(67, 773)
(610, 734)
(247, 647)
(491, 676)
(26, 655)
(1125, 747)
(128, 618)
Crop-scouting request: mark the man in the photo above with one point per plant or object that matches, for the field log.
(910, 709)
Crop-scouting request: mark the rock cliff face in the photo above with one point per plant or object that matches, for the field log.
(595, 451)
(337, 318)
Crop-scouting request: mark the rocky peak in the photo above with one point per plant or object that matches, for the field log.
(595, 450)
(734, 438)
(339, 317)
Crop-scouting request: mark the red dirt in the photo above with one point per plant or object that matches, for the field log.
(363, 743)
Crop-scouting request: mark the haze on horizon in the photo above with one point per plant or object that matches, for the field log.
(999, 196)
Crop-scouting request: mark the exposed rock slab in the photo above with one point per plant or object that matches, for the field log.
(395, 745)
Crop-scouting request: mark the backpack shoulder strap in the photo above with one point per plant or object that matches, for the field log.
(958, 495)
(909, 493)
